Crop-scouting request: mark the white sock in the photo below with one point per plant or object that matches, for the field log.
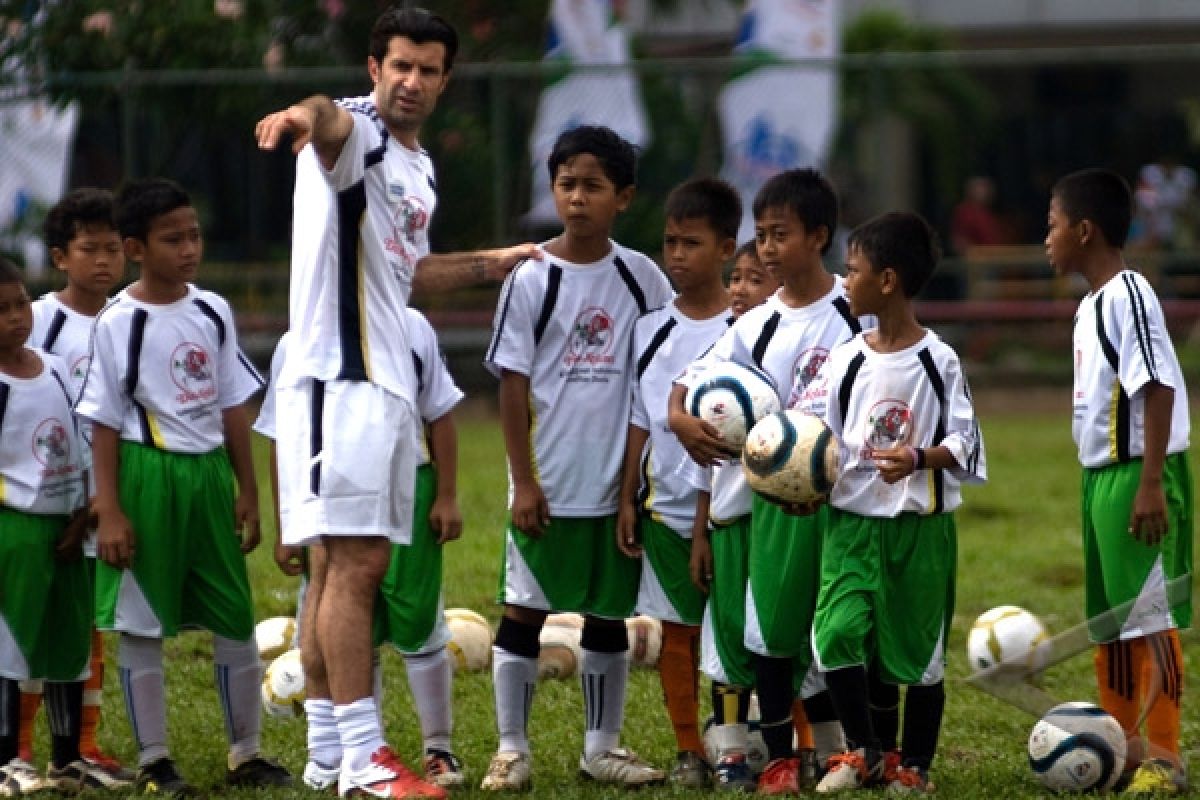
(377, 683)
(514, 678)
(828, 739)
(139, 662)
(604, 677)
(238, 674)
(429, 677)
(324, 743)
(358, 728)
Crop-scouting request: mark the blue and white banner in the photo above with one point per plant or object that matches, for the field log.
(583, 33)
(775, 116)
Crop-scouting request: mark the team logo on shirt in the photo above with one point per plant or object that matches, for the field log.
(807, 365)
(192, 372)
(409, 219)
(591, 338)
(52, 446)
(889, 424)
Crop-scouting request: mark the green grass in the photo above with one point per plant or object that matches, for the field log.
(1018, 545)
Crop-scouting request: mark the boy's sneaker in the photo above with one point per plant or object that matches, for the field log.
(161, 777)
(259, 773)
(852, 770)
(18, 777)
(1156, 776)
(509, 771)
(320, 778)
(733, 774)
(77, 776)
(619, 767)
(893, 760)
(119, 776)
(442, 768)
(690, 771)
(910, 780)
(781, 776)
(386, 776)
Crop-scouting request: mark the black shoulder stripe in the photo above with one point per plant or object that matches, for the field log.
(1106, 346)
(553, 281)
(843, 307)
(4, 390)
(375, 155)
(52, 333)
(351, 206)
(419, 366)
(505, 302)
(1141, 324)
(656, 342)
(249, 367)
(137, 334)
(939, 433)
(848, 384)
(639, 296)
(764, 339)
(62, 384)
(211, 313)
(935, 378)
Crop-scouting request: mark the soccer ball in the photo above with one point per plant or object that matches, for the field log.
(756, 748)
(470, 639)
(645, 640)
(274, 636)
(283, 686)
(560, 655)
(1077, 747)
(791, 457)
(1008, 637)
(732, 397)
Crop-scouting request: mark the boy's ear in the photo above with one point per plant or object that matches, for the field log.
(889, 280)
(625, 197)
(58, 256)
(1087, 231)
(135, 248)
(822, 237)
(728, 248)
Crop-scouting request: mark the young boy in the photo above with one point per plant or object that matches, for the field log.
(164, 392)
(897, 399)
(408, 614)
(1131, 427)
(562, 350)
(86, 247)
(658, 505)
(788, 337)
(44, 587)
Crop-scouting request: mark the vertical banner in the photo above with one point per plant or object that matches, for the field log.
(582, 33)
(776, 116)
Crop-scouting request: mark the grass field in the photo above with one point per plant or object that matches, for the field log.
(1018, 544)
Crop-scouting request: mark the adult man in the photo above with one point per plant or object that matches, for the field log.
(347, 430)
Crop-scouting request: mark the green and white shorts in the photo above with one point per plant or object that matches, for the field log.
(723, 653)
(666, 591)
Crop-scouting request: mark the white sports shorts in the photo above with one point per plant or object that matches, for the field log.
(347, 453)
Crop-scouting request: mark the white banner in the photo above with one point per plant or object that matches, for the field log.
(777, 117)
(583, 32)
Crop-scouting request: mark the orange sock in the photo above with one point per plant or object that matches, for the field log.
(804, 736)
(1162, 685)
(30, 702)
(680, 682)
(93, 695)
(1118, 665)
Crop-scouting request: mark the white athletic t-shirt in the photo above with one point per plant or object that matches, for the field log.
(1122, 344)
(569, 327)
(358, 232)
(42, 455)
(916, 397)
(64, 332)
(665, 343)
(162, 374)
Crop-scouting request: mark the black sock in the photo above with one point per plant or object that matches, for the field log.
(923, 706)
(64, 712)
(885, 710)
(10, 719)
(819, 708)
(727, 698)
(773, 682)
(848, 688)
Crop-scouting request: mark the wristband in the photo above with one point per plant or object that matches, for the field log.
(918, 457)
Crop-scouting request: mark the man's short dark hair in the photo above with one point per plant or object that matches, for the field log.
(1099, 195)
(10, 273)
(139, 202)
(416, 24)
(709, 199)
(617, 157)
(78, 210)
(903, 241)
(806, 193)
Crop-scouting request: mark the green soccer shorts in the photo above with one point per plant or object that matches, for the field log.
(723, 653)
(666, 591)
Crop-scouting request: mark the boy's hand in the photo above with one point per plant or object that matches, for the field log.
(530, 511)
(445, 519)
(69, 546)
(627, 531)
(895, 463)
(701, 440)
(245, 520)
(289, 558)
(116, 544)
(1148, 520)
(700, 564)
(297, 121)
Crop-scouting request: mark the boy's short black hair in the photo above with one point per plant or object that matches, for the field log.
(749, 248)
(903, 241)
(709, 199)
(1099, 195)
(138, 202)
(807, 193)
(78, 210)
(417, 25)
(617, 157)
(10, 273)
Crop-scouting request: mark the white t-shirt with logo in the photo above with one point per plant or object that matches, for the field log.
(569, 328)
(42, 455)
(665, 343)
(916, 397)
(162, 374)
(66, 333)
(1122, 344)
(358, 232)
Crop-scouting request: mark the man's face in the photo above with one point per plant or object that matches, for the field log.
(408, 82)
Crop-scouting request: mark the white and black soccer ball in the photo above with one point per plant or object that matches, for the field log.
(1009, 640)
(732, 397)
(283, 686)
(1077, 747)
(756, 746)
(791, 457)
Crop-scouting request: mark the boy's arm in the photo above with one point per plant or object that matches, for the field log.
(115, 540)
(700, 439)
(1148, 520)
(627, 512)
(530, 511)
(700, 565)
(236, 423)
(445, 518)
(315, 119)
(442, 272)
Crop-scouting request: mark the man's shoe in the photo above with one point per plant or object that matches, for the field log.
(259, 773)
(386, 776)
(18, 777)
(161, 777)
(78, 776)
(509, 771)
(619, 767)
(119, 776)
(781, 776)
(442, 768)
(1156, 776)
(690, 771)
(320, 778)
(733, 774)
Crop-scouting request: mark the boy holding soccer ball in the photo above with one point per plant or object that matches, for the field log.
(1131, 427)
(897, 398)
